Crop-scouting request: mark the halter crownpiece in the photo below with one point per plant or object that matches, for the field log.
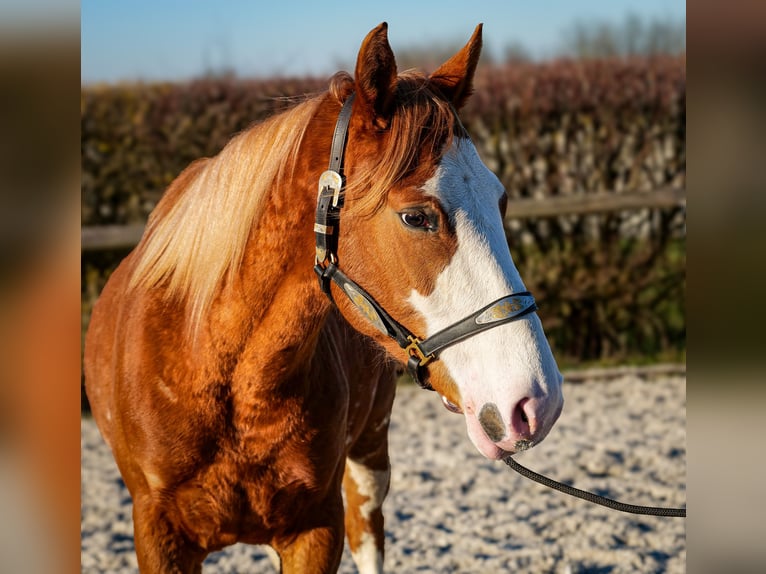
(326, 231)
(331, 183)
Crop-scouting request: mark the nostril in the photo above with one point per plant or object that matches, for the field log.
(521, 421)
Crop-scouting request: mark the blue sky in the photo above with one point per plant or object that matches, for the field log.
(180, 39)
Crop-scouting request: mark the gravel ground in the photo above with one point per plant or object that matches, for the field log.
(451, 510)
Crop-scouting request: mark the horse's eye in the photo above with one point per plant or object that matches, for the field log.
(417, 220)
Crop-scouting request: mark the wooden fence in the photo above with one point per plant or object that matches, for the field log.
(116, 237)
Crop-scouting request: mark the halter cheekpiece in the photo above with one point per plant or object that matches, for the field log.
(326, 230)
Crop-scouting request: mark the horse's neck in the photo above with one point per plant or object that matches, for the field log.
(274, 306)
(271, 311)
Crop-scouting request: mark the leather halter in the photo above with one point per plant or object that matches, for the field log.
(326, 230)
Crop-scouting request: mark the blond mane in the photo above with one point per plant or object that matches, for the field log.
(198, 233)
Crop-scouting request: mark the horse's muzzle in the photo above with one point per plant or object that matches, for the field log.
(496, 434)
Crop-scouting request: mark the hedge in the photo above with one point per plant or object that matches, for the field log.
(611, 287)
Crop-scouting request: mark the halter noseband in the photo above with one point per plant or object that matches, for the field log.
(326, 230)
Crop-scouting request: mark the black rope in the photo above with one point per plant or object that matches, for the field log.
(595, 498)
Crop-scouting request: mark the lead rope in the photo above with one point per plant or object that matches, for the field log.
(594, 498)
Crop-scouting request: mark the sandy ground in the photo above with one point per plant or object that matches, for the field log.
(451, 510)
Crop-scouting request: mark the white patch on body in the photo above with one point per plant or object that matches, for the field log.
(166, 390)
(372, 484)
(509, 362)
(368, 557)
(383, 422)
(154, 480)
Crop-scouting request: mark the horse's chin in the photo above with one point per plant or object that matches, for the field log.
(481, 441)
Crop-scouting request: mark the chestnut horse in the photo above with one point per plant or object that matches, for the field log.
(238, 398)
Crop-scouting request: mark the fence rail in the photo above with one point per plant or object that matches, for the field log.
(110, 237)
(610, 373)
(115, 237)
(595, 203)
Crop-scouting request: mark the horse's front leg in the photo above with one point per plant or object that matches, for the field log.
(366, 485)
(366, 479)
(161, 547)
(318, 548)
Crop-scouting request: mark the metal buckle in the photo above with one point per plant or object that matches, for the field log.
(323, 257)
(414, 350)
(332, 180)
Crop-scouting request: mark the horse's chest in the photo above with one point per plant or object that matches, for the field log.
(264, 486)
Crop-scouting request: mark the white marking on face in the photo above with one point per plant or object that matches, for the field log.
(507, 363)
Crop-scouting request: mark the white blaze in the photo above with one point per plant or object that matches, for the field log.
(511, 361)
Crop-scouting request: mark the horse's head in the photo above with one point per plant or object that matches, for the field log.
(422, 232)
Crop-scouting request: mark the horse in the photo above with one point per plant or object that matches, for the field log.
(241, 362)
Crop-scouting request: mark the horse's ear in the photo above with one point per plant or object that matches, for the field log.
(454, 78)
(376, 75)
